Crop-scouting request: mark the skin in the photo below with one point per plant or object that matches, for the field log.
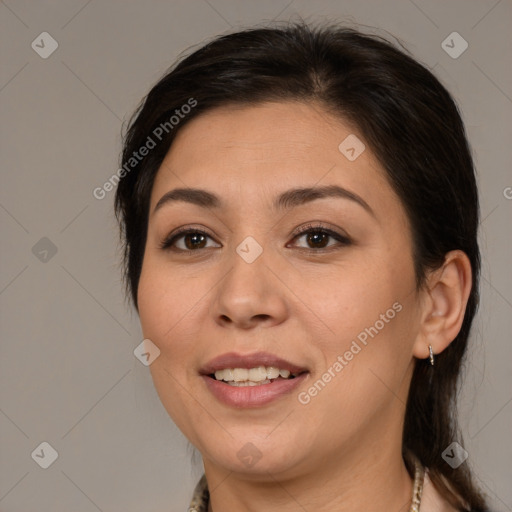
(341, 451)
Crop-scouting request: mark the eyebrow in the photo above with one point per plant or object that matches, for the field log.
(286, 200)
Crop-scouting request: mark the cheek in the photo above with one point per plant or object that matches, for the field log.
(172, 309)
(370, 312)
(164, 297)
(364, 372)
(161, 307)
(350, 300)
(166, 312)
(152, 302)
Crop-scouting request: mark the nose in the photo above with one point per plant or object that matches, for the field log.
(250, 295)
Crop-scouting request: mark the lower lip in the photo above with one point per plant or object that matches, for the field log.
(252, 396)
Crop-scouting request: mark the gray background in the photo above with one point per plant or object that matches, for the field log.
(68, 373)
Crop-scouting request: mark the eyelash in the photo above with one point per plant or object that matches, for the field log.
(317, 228)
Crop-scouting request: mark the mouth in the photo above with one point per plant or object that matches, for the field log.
(258, 376)
(251, 380)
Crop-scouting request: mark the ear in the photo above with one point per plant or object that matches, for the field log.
(444, 300)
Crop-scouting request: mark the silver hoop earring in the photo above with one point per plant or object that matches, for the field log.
(431, 355)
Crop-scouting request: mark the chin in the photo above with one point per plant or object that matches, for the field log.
(254, 457)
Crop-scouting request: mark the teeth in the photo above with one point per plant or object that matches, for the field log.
(272, 373)
(258, 374)
(248, 383)
(240, 374)
(251, 377)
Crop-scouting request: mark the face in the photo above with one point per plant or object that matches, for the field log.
(336, 305)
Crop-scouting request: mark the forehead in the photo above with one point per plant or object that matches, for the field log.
(246, 152)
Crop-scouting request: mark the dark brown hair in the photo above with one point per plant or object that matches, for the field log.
(412, 125)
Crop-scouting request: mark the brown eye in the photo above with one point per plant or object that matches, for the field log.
(318, 238)
(193, 239)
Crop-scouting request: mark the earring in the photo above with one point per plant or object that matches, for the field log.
(431, 355)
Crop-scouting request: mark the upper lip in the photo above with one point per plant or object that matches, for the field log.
(234, 360)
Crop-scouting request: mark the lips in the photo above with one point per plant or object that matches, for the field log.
(234, 360)
(257, 395)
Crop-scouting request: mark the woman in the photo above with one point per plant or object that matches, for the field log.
(299, 215)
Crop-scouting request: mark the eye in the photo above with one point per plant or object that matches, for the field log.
(193, 240)
(317, 237)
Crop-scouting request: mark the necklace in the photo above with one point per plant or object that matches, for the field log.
(419, 476)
